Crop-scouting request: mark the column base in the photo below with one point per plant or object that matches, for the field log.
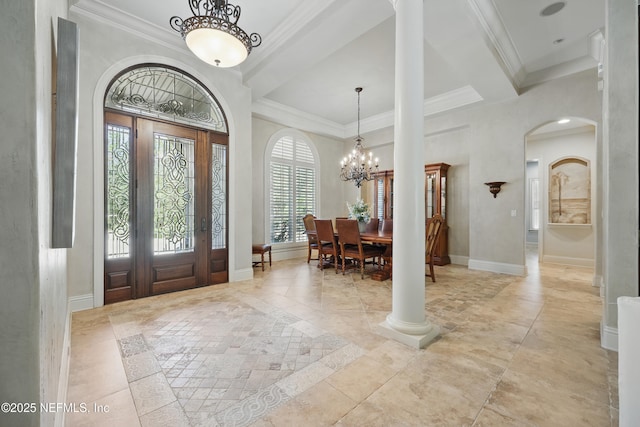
(428, 332)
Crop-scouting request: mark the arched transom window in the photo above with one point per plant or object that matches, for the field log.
(165, 93)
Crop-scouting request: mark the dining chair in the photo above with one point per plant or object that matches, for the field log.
(327, 243)
(387, 226)
(312, 239)
(351, 246)
(372, 225)
(434, 225)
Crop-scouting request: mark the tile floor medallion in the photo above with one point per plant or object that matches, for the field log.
(226, 360)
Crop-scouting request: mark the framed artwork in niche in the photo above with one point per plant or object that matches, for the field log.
(570, 191)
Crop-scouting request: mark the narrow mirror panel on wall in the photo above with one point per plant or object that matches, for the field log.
(66, 124)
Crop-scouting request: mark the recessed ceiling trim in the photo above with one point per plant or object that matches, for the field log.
(451, 100)
(292, 117)
(561, 70)
(493, 25)
(299, 19)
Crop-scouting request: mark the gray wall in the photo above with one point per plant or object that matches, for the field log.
(487, 143)
(620, 157)
(498, 154)
(33, 307)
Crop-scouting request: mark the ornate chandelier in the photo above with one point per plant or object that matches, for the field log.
(358, 166)
(212, 34)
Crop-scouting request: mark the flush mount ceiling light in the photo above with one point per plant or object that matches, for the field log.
(213, 35)
(553, 8)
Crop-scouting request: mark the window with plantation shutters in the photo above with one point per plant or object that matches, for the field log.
(292, 188)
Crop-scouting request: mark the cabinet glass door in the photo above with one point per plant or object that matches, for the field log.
(430, 195)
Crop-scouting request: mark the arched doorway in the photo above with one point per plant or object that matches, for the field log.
(560, 194)
(165, 184)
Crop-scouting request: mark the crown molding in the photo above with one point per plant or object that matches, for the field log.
(564, 69)
(451, 100)
(292, 117)
(101, 12)
(491, 21)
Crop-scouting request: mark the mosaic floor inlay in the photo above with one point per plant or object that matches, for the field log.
(222, 360)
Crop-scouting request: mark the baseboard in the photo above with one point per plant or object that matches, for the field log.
(81, 302)
(597, 281)
(498, 267)
(241, 275)
(609, 337)
(459, 260)
(65, 360)
(579, 262)
(283, 253)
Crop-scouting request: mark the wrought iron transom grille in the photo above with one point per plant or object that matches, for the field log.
(168, 94)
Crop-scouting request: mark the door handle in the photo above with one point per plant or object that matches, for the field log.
(203, 224)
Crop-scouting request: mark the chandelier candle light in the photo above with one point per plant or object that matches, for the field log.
(358, 166)
(213, 35)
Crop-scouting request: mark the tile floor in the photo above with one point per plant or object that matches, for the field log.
(296, 346)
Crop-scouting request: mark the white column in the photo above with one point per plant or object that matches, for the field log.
(407, 322)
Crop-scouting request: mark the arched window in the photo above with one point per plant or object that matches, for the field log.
(292, 175)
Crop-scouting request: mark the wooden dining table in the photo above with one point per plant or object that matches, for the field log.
(379, 238)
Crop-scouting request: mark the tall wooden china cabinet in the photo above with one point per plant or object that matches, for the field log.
(435, 184)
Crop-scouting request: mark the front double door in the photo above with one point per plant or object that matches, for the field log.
(165, 207)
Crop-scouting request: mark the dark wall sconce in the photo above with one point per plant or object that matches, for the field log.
(494, 187)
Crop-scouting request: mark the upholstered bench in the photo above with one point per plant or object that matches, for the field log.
(260, 249)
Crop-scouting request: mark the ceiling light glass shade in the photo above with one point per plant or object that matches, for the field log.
(212, 34)
(216, 47)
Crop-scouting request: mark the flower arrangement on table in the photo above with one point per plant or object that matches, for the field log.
(359, 211)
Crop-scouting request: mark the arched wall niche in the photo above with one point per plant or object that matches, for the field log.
(548, 144)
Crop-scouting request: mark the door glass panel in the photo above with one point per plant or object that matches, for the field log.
(218, 196)
(118, 192)
(173, 189)
(430, 195)
(443, 196)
